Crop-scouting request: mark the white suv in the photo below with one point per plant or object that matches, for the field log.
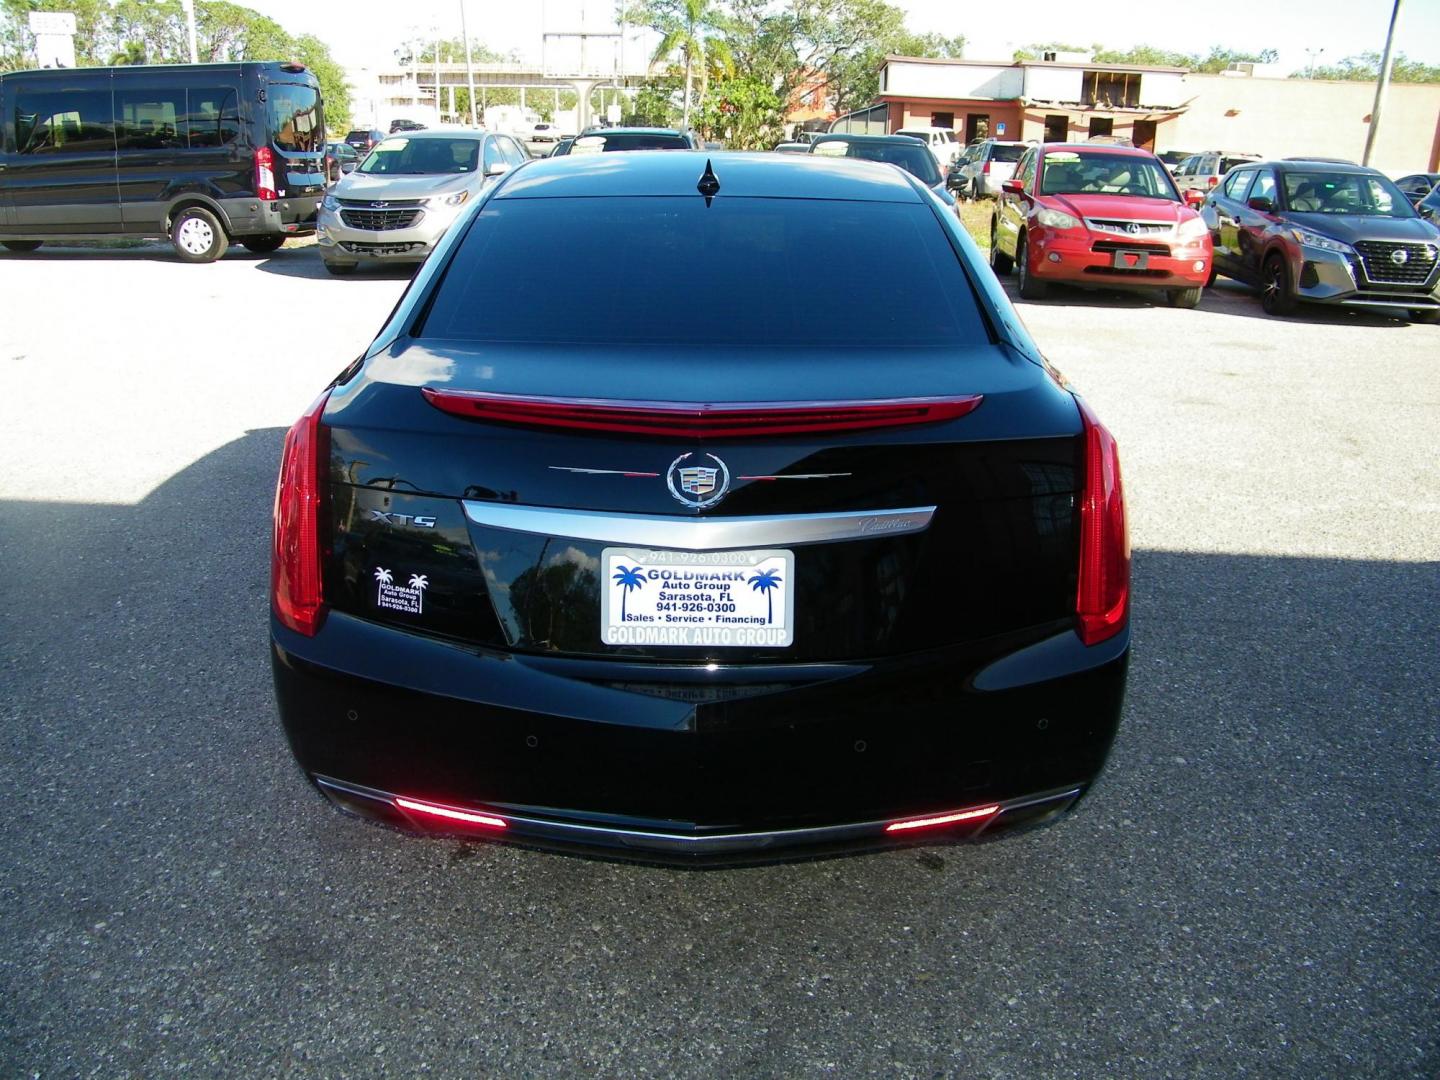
(943, 143)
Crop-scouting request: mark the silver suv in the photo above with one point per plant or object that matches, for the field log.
(1201, 172)
(397, 204)
(984, 166)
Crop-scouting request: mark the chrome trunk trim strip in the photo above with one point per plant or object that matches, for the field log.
(696, 533)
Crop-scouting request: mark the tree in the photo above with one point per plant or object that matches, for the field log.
(690, 28)
(1218, 59)
(1365, 67)
(745, 113)
(92, 30)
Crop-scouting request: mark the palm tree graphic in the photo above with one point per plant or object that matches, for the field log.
(418, 582)
(383, 576)
(628, 578)
(766, 580)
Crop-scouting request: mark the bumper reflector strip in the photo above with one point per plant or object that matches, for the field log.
(943, 819)
(467, 816)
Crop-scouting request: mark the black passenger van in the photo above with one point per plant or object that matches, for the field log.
(201, 153)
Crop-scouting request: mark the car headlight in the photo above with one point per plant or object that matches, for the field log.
(453, 199)
(1056, 219)
(1193, 229)
(331, 203)
(1324, 243)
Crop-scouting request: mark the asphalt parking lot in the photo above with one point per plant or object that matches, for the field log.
(1252, 890)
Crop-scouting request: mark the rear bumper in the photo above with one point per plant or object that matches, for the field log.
(678, 763)
(288, 217)
(1074, 260)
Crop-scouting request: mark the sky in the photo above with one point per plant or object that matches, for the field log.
(365, 32)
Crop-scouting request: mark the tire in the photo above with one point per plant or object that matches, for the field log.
(1030, 289)
(1000, 262)
(262, 245)
(1183, 298)
(1210, 281)
(340, 269)
(975, 192)
(198, 236)
(1425, 315)
(1275, 295)
(23, 245)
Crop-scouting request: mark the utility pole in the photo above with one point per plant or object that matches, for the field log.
(439, 111)
(1312, 54)
(1382, 85)
(189, 6)
(469, 66)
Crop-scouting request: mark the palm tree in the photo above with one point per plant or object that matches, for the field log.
(682, 25)
(766, 580)
(628, 578)
(419, 581)
(383, 576)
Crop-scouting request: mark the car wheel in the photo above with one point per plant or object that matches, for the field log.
(197, 236)
(1210, 280)
(23, 245)
(999, 261)
(1425, 315)
(263, 245)
(1183, 298)
(1030, 289)
(975, 192)
(340, 269)
(1275, 295)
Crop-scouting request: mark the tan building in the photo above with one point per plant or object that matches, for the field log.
(1290, 117)
(1162, 108)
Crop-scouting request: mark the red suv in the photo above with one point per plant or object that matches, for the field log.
(1099, 216)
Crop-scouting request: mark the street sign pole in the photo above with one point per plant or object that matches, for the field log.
(1382, 85)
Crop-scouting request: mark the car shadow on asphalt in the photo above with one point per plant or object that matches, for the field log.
(1222, 298)
(307, 263)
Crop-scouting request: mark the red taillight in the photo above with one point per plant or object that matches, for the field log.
(1102, 601)
(985, 168)
(1212, 180)
(942, 819)
(296, 594)
(688, 420)
(265, 175)
(449, 813)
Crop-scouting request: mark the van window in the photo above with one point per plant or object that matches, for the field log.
(63, 121)
(295, 122)
(214, 117)
(150, 119)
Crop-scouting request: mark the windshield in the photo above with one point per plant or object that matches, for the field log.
(597, 144)
(1094, 172)
(642, 270)
(295, 122)
(915, 158)
(422, 157)
(1324, 192)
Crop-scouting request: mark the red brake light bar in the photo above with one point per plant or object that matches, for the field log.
(688, 420)
(296, 592)
(943, 819)
(449, 813)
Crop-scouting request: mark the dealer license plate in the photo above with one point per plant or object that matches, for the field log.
(697, 598)
(1130, 260)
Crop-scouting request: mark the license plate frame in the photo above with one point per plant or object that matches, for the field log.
(1120, 260)
(697, 599)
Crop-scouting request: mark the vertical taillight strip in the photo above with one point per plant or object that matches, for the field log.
(1102, 602)
(296, 590)
(265, 186)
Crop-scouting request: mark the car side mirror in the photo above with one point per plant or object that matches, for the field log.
(1261, 203)
(497, 168)
(1014, 187)
(1194, 199)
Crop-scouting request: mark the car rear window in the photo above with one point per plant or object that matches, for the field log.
(597, 144)
(914, 158)
(295, 121)
(1006, 153)
(741, 271)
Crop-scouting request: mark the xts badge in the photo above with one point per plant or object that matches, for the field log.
(420, 521)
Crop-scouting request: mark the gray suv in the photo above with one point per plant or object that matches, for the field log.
(1324, 232)
(397, 204)
(984, 167)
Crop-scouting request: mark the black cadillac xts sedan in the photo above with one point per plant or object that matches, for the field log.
(753, 524)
